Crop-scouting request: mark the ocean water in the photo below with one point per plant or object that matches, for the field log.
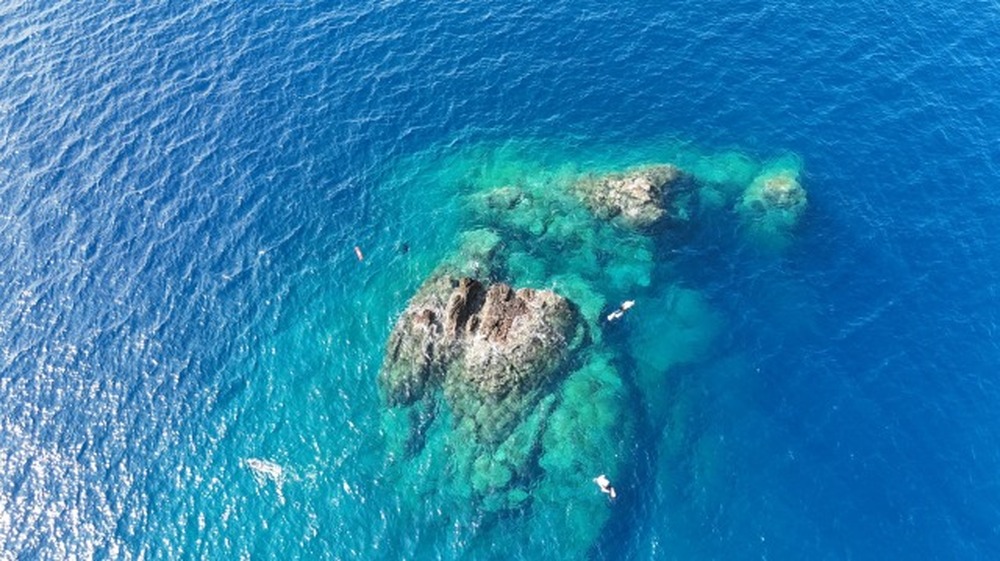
(189, 346)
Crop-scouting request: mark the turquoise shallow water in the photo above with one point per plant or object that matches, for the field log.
(182, 314)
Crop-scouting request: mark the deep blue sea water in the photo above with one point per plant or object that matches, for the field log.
(182, 185)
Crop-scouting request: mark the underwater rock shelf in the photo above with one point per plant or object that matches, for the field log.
(500, 389)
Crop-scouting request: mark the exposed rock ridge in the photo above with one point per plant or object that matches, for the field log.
(489, 346)
(635, 197)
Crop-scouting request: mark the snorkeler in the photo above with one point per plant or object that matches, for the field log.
(617, 314)
(605, 485)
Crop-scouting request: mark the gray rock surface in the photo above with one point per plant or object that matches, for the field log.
(636, 197)
(491, 348)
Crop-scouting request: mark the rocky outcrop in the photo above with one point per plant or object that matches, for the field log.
(637, 197)
(773, 204)
(776, 191)
(491, 347)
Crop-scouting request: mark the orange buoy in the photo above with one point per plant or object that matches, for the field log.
(357, 251)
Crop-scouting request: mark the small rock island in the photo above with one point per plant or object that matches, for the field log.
(638, 198)
(490, 347)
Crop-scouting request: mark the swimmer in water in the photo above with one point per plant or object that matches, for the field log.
(605, 485)
(617, 314)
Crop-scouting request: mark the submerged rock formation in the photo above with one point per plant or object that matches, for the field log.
(775, 193)
(637, 197)
(489, 346)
